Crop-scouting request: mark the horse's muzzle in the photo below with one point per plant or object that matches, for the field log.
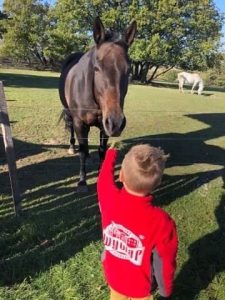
(114, 126)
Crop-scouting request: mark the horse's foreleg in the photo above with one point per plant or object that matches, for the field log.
(83, 154)
(82, 136)
(200, 87)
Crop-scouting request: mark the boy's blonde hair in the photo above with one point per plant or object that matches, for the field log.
(143, 167)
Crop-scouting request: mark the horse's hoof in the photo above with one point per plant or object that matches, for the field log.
(82, 187)
(71, 151)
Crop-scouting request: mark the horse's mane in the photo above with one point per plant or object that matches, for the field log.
(115, 37)
(72, 58)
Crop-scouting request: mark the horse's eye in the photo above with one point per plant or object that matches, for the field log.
(96, 69)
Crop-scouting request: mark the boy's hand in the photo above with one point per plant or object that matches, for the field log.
(116, 144)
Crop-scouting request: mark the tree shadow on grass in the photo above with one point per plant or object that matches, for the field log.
(29, 81)
(186, 150)
(25, 149)
(47, 235)
(206, 260)
(57, 223)
(22, 149)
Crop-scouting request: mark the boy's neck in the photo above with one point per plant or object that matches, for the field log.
(134, 193)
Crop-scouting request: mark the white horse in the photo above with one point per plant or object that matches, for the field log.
(192, 78)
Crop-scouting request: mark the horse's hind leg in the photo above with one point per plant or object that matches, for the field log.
(193, 87)
(82, 131)
(69, 126)
(71, 149)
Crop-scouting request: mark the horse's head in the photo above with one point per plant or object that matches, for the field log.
(111, 72)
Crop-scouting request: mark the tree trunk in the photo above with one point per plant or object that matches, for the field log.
(153, 74)
(136, 70)
(144, 73)
(133, 71)
(41, 58)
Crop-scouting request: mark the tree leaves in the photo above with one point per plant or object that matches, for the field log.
(170, 32)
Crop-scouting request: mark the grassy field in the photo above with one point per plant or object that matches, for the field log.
(52, 252)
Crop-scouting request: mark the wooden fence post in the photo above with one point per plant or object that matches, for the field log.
(9, 150)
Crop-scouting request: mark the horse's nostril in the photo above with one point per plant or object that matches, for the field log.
(123, 124)
(110, 125)
(114, 126)
(107, 123)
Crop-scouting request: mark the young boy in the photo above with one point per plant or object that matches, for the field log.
(140, 239)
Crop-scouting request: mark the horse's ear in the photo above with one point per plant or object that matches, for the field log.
(98, 31)
(130, 32)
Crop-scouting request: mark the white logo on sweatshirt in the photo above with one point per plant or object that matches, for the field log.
(123, 243)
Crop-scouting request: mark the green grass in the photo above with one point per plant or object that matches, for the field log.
(53, 250)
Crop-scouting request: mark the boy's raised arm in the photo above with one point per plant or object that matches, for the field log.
(105, 181)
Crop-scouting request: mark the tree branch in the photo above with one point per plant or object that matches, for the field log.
(163, 72)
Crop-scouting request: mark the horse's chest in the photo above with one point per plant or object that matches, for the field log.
(89, 116)
(92, 118)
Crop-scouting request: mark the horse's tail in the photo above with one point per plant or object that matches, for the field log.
(181, 80)
(66, 116)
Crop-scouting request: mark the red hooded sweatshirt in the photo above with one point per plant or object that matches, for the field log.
(140, 240)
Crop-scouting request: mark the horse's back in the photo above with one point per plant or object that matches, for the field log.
(196, 76)
(190, 77)
(68, 63)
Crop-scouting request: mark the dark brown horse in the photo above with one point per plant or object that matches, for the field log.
(92, 89)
